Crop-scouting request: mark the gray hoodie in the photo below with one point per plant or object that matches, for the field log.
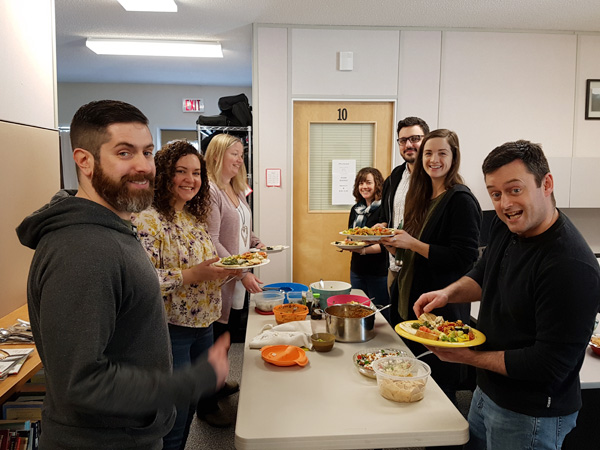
(99, 325)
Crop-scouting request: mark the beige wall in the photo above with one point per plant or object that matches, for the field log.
(29, 173)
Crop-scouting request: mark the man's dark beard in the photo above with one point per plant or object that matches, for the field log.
(118, 195)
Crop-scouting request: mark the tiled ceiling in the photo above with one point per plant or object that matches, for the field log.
(230, 22)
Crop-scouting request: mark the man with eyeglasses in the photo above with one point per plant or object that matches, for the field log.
(411, 131)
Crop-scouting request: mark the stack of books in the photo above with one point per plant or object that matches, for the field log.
(19, 434)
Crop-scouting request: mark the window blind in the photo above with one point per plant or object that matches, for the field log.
(329, 141)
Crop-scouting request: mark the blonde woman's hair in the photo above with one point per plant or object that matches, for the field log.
(214, 162)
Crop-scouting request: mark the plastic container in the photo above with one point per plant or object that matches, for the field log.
(401, 378)
(290, 313)
(288, 287)
(296, 297)
(348, 298)
(267, 300)
(330, 289)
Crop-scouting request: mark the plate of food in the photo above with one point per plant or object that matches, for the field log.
(348, 244)
(434, 331)
(367, 234)
(270, 249)
(364, 359)
(595, 344)
(243, 261)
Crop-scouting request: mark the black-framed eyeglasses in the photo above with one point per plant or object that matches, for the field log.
(413, 139)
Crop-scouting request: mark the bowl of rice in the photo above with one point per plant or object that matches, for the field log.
(401, 378)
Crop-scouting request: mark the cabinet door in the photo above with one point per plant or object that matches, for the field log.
(499, 87)
(561, 171)
(585, 183)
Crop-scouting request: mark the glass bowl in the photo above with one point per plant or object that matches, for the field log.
(364, 359)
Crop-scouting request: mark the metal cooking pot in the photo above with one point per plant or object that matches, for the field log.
(346, 329)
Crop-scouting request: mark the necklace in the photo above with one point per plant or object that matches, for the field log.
(234, 199)
(244, 227)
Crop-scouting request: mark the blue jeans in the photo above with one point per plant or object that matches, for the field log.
(374, 287)
(187, 345)
(494, 428)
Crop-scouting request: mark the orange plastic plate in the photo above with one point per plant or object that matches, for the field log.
(284, 355)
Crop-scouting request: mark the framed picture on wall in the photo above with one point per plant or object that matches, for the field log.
(592, 100)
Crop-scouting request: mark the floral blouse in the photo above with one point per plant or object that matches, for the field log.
(173, 246)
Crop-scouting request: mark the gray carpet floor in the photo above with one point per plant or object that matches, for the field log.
(205, 437)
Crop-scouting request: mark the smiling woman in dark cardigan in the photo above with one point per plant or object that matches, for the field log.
(440, 239)
(369, 264)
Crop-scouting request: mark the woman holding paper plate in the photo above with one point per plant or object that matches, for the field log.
(442, 220)
(369, 265)
(174, 234)
(230, 222)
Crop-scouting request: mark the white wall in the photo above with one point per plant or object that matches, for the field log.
(273, 205)
(27, 82)
(161, 103)
(490, 87)
(314, 58)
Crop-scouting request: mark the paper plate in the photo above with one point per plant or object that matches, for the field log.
(238, 266)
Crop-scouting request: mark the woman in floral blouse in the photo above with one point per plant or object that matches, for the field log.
(174, 234)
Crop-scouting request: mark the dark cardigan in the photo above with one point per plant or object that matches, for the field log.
(371, 264)
(452, 233)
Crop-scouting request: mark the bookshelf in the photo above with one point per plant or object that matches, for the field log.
(14, 383)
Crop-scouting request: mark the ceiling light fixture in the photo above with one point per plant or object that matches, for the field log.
(138, 47)
(149, 5)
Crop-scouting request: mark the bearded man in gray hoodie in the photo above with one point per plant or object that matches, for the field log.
(94, 299)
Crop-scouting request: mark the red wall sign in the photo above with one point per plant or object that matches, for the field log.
(194, 105)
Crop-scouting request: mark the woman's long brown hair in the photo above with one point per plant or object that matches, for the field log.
(418, 197)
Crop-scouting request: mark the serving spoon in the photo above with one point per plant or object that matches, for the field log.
(380, 309)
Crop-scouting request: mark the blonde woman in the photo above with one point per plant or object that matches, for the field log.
(230, 222)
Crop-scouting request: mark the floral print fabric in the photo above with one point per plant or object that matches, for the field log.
(172, 247)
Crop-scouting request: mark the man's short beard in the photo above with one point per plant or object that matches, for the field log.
(409, 160)
(118, 195)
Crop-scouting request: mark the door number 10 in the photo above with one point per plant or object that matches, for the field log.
(342, 114)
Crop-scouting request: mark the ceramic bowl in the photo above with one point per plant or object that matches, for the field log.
(322, 342)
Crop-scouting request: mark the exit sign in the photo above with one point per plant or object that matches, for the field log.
(194, 105)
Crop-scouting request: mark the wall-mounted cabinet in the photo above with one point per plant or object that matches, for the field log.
(585, 183)
(499, 87)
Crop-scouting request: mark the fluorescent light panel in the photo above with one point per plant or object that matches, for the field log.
(149, 5)
(137, 47)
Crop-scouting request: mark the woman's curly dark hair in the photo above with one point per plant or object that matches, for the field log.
(166, 160)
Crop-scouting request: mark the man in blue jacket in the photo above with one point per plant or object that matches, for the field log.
(539, 286)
